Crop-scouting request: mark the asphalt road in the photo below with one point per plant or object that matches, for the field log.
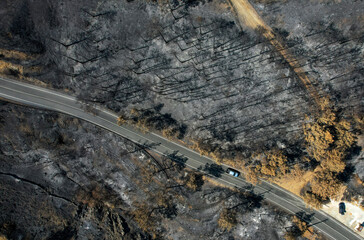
(31, 95)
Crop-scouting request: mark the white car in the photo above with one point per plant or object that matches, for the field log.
(233, 172)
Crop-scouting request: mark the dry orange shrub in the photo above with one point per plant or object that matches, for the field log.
(170, 133)
(271, 163)
(358, 181)
(122, 120)
(289, 236)
(311, 200)
(295, 180)
(15, 54)
(5, 67)
(227, 219)
(193, 181)
(333, 161)
(325, 133)
(142, 215)
(216, 183)
(359, 122)
(200, 147)
(26, 128)
(251, 175)
(305, 229)
(326, 185)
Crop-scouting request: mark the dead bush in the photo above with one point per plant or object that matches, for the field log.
(227, 219)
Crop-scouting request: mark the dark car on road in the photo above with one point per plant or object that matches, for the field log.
(342, 209)
(233, 172)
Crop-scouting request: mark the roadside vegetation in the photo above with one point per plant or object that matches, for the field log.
(153, 120)
(237, 92)
(20, 65)
(301, 227)
(227, 219)
(317, 174)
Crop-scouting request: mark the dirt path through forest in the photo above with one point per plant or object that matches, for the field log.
(249, 17)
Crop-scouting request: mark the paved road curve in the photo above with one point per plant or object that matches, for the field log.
(27, 94)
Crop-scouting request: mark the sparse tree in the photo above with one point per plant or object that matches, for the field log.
(326, 185)
(143, 216)
(289, 235)
(227, 219)
(122, 120)
(312, 200)
(194, 181)
(251, 176)
(272, 163)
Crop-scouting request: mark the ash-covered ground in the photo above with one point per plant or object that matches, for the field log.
(195, 63)
(220, 78)
(62, 178)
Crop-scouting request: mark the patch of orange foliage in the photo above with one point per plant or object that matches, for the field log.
(295, 180)
(15, 54)
(6, 66)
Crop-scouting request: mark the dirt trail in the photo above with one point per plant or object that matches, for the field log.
(249, 16)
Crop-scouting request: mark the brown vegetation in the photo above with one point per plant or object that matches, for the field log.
(227, 219)
(312, 200)
(9, 68)
(295, 180)
(300, 228)
(6, 229)
(144, 218)
(97, 195)
(15, 54)
(271, 163)
(359, 122)
(229, 156)
(217, 183)
(15, 64)
(328, 141)
(251, 175)
(194, 181)
(151, 119)
(326, 185)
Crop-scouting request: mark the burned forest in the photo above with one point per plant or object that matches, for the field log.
(271, 89)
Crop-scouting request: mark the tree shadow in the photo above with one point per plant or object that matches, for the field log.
(148, 145)
(308, 218)
(248, 201)
(347, 173)
(179, 159)
(255, 201)
(213, 169)
(199, 182)
(170, 211)
(305, 216)
(353, 151)
(313, 224)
